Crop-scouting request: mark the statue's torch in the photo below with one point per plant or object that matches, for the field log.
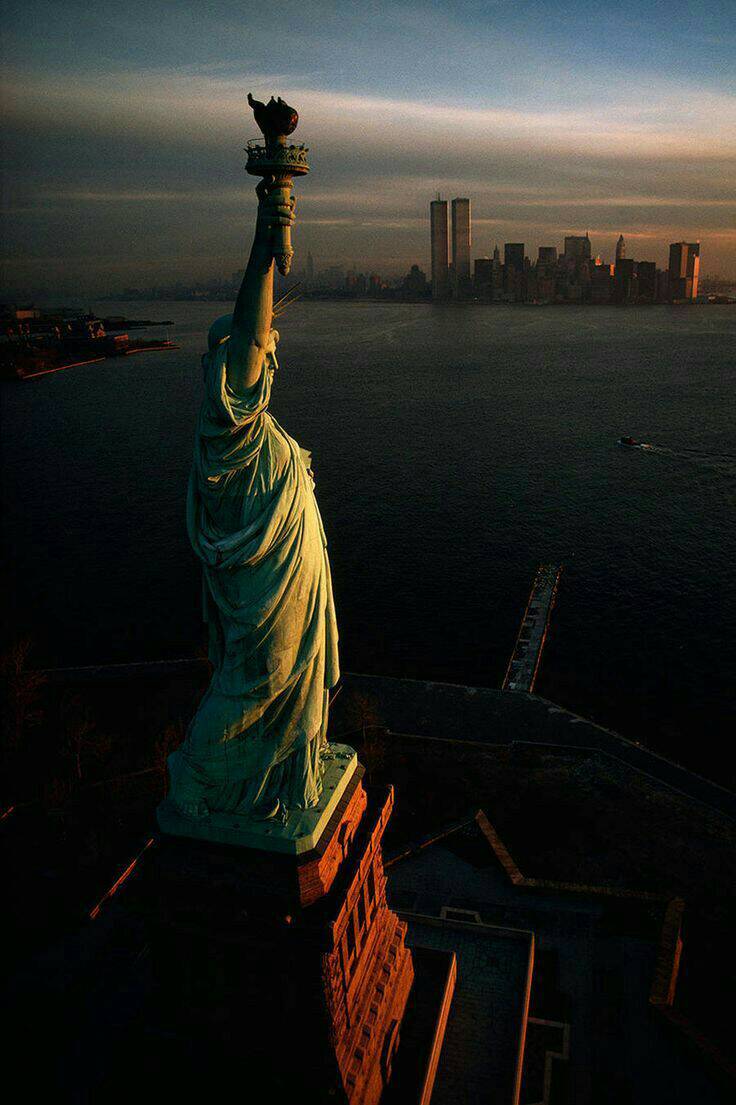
(273, 159)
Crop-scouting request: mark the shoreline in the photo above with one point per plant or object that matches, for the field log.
(162, 348)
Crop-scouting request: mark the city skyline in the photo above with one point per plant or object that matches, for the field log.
(124, 167)
(574, 275)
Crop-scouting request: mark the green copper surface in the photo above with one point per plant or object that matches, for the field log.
(297, 832)
(254, 746)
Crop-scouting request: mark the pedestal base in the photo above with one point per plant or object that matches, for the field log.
(299, 833)
(294, 962)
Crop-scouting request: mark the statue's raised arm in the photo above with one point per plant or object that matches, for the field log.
(253, 314)
(277, 163)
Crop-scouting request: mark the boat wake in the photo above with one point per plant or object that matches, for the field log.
(723, 462)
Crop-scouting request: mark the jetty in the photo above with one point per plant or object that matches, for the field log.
(521, 673)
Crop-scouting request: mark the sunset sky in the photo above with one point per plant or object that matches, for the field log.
(125, 125)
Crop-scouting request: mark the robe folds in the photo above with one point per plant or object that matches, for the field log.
(254, 524)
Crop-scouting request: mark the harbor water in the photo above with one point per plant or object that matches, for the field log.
(455, 449)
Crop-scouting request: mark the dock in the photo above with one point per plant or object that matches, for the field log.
(521, 673)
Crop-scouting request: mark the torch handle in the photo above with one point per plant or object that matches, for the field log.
(282, 250)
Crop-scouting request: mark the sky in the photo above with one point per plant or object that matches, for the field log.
(125, 126)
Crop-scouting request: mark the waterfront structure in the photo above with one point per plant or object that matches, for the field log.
(461, 238)
(523, 665)
(533, 971)
(620, 248)
(684, 270)
(439, 248)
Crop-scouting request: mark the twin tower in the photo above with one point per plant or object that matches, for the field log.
(450, 277)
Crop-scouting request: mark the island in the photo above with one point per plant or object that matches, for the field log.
(34, 342)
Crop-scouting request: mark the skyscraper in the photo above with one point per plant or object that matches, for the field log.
(577, 247)
(496, 273)
(483, 276)
(684, 270)
(513, 256)
(513, 269)
(646, 276)
(547, 255)
(620, 248)
(461, 246)
(546, 270)
(624, 281)
(438, 230)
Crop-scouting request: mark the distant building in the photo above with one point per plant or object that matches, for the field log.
(620, 248)
(496, 273)
(483, 277)
(601, 283)
(513, 270)
(577, 247)
(684, 270)
(546, 274)
(415, 283)
(461, 237)
(331, 278)
(624, 280)
(440, 253)
(663, 285)
(513, 256)
(356, 284)
(646, 279)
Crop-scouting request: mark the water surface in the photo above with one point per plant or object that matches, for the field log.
(455, 448)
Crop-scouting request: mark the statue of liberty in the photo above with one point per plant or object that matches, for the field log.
(253, 747)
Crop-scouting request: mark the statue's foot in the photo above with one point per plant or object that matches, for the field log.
(269, 811)
(194, 810)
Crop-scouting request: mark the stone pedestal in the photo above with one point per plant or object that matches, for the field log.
(289, 966)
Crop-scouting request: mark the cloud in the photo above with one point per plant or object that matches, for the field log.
(689, 122)
(148, 165)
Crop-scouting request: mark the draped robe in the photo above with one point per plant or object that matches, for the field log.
(253, 522)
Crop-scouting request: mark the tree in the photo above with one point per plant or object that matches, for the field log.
(21, 690)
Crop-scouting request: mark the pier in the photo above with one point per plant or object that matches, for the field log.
(521, 672)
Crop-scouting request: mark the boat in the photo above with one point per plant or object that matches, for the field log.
(632, 443)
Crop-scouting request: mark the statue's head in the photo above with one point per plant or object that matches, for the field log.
(219, 330)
